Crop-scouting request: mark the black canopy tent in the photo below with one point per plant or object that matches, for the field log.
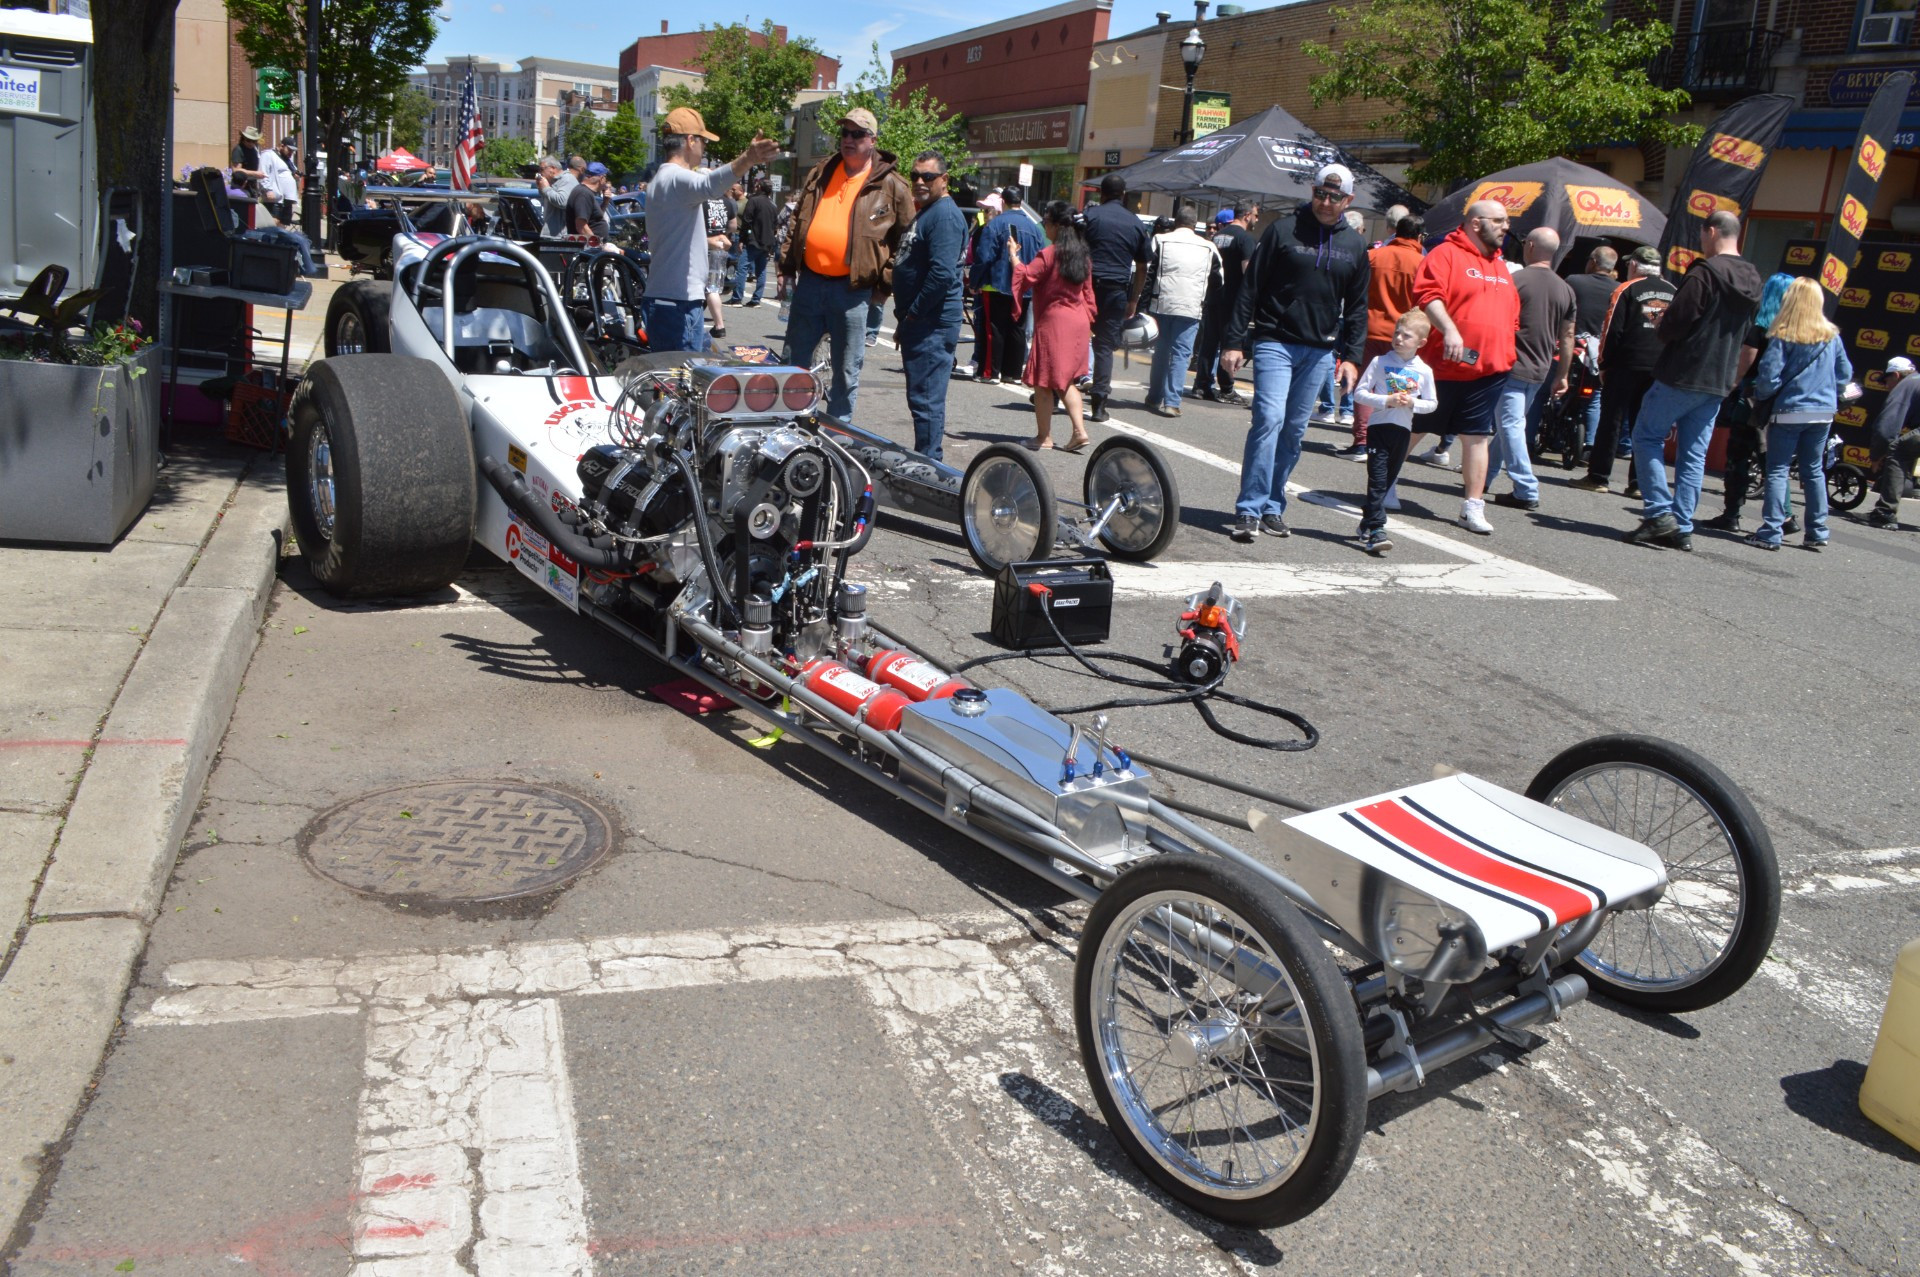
(1271, 157)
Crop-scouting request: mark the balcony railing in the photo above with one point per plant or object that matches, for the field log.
(1730, 62)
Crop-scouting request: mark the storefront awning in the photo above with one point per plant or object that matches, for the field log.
(1836, 130)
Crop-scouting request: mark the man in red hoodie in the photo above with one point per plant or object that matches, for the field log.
(1468, 292)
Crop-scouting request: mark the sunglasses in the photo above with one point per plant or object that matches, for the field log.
(855, 133)
(1329, 197)
(927, 177)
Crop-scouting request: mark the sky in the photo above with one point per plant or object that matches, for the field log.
(595, 32)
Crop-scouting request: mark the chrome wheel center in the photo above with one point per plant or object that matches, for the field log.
(1195, 1043)
(320, 480)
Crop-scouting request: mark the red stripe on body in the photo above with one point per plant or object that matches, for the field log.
(576, 388)
(1562, 901)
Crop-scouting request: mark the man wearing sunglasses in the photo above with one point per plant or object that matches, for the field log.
(926, 299)
(1302, 309)
(853, 209)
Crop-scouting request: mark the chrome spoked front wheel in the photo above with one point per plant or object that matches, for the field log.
(1220, 1041)
(1710, 931)
(1148, 514)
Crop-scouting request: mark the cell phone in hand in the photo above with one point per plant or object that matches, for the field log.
(1469, 356)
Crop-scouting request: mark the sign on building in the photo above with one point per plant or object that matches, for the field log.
(1212, 110)
(273, 91)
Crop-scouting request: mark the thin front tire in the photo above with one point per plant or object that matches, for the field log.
(1006, 508)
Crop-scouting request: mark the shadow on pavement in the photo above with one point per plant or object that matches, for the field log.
(1829, 1098)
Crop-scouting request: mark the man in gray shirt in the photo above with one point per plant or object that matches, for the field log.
(556, 183)
(677, 228)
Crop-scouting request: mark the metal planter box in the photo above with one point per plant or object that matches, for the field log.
(79, 449)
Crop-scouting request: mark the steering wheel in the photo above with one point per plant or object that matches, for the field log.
(605, 293)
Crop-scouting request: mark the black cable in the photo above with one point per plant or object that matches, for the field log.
(1197, 696)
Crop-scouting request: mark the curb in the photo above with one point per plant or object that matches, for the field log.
(62, 997)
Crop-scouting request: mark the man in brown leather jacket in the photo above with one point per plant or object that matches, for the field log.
(853, 209)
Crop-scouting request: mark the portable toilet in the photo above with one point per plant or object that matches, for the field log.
(48, 201)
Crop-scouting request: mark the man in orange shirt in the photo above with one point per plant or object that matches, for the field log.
(1389, 296)
(853, 209)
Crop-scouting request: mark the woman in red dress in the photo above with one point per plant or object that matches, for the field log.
(1061, 278)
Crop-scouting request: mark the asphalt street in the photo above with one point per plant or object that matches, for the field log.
(788, 1025)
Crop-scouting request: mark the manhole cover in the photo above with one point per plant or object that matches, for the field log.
(457, 841)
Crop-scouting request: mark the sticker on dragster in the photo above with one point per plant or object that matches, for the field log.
(1470, 852)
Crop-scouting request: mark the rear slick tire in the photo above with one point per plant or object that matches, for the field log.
(1708, 934)
(1247, 1105)
(380, 476)
(357, 318)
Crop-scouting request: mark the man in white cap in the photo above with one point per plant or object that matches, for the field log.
(1895, 446)
(676, 227)
(854, 207)
(1302, 309)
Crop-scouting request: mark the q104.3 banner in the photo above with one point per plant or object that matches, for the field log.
(1724, 173)
(1878, 311)
(1870, 152)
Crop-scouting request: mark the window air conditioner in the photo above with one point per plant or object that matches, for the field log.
(1885, 30)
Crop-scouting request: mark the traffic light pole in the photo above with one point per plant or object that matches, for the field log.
(310, 131)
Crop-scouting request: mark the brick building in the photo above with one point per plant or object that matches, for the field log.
(531, 99)
(1828, 54)
(676, 51)
(1137, 82)
(1022, 86)
(213, 88)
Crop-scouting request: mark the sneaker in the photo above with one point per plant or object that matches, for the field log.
(1346, 417)
(720, 332)
(1245, 528)
(1473, 517)
(1352, 452)
(1727, 521)
(1322, 417)
(1161, 410)
(1792, 526)
(750, 305)
(1678, 540)
(1758, 544)
(1513, 501)
(1812, 544)
(1375, 543)
(1653, 531)
(1434, 457)
(873, 339)
(1589, 483)
(1275, 526)
(1631, 491)
(784, 315)
(1238, 398)
(1877, 518)
(1211, 396)
(1097, 409)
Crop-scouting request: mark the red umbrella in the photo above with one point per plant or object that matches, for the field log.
(401, 160)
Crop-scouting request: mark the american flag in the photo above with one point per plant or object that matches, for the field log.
(472, 137)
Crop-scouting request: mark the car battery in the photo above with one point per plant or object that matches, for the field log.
(1080, 592)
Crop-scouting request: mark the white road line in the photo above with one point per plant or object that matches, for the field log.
(1547, 583)
(1500, 578)
(447, 1085)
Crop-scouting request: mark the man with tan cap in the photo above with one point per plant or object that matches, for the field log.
(245, 160)
(677, 229)
(853, 209)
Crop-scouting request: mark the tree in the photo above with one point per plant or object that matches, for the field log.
(623, 146)
(1482, 85)
(367, 49)
(583, 133)
(748, 86)
(133, 90)
(503, 156)
(409, 111)
(909, 123)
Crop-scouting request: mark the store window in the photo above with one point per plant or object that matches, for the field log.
(1884, 24)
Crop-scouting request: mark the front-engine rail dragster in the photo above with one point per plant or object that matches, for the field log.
(1237, 1007)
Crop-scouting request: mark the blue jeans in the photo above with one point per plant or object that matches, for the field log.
(1593, 417)
(753, 261)
(676, 325)
(1286, 378)
(1171, 355)
(875, 313)
(1787, 444)
(927, 352)
(1510, 420)
(827, 306)
(1664, 408)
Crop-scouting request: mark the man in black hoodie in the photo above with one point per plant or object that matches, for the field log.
(1699, 359)
(1302, 306)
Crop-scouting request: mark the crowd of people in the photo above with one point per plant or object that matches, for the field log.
(1449, 340)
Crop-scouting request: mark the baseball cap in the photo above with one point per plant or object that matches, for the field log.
(250, 133)
(596, 169)
(1224, 216)
(861, 118)
(1646, 255)
(1338, 176)
(686, 121)
(1899, 363)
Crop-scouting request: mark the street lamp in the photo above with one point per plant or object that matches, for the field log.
(1192, 49)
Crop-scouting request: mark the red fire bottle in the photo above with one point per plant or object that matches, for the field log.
(861, 697)
(907, 673)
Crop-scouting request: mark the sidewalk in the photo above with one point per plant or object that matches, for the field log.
(118, 671)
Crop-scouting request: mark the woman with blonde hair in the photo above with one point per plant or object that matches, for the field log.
(1804, 371)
